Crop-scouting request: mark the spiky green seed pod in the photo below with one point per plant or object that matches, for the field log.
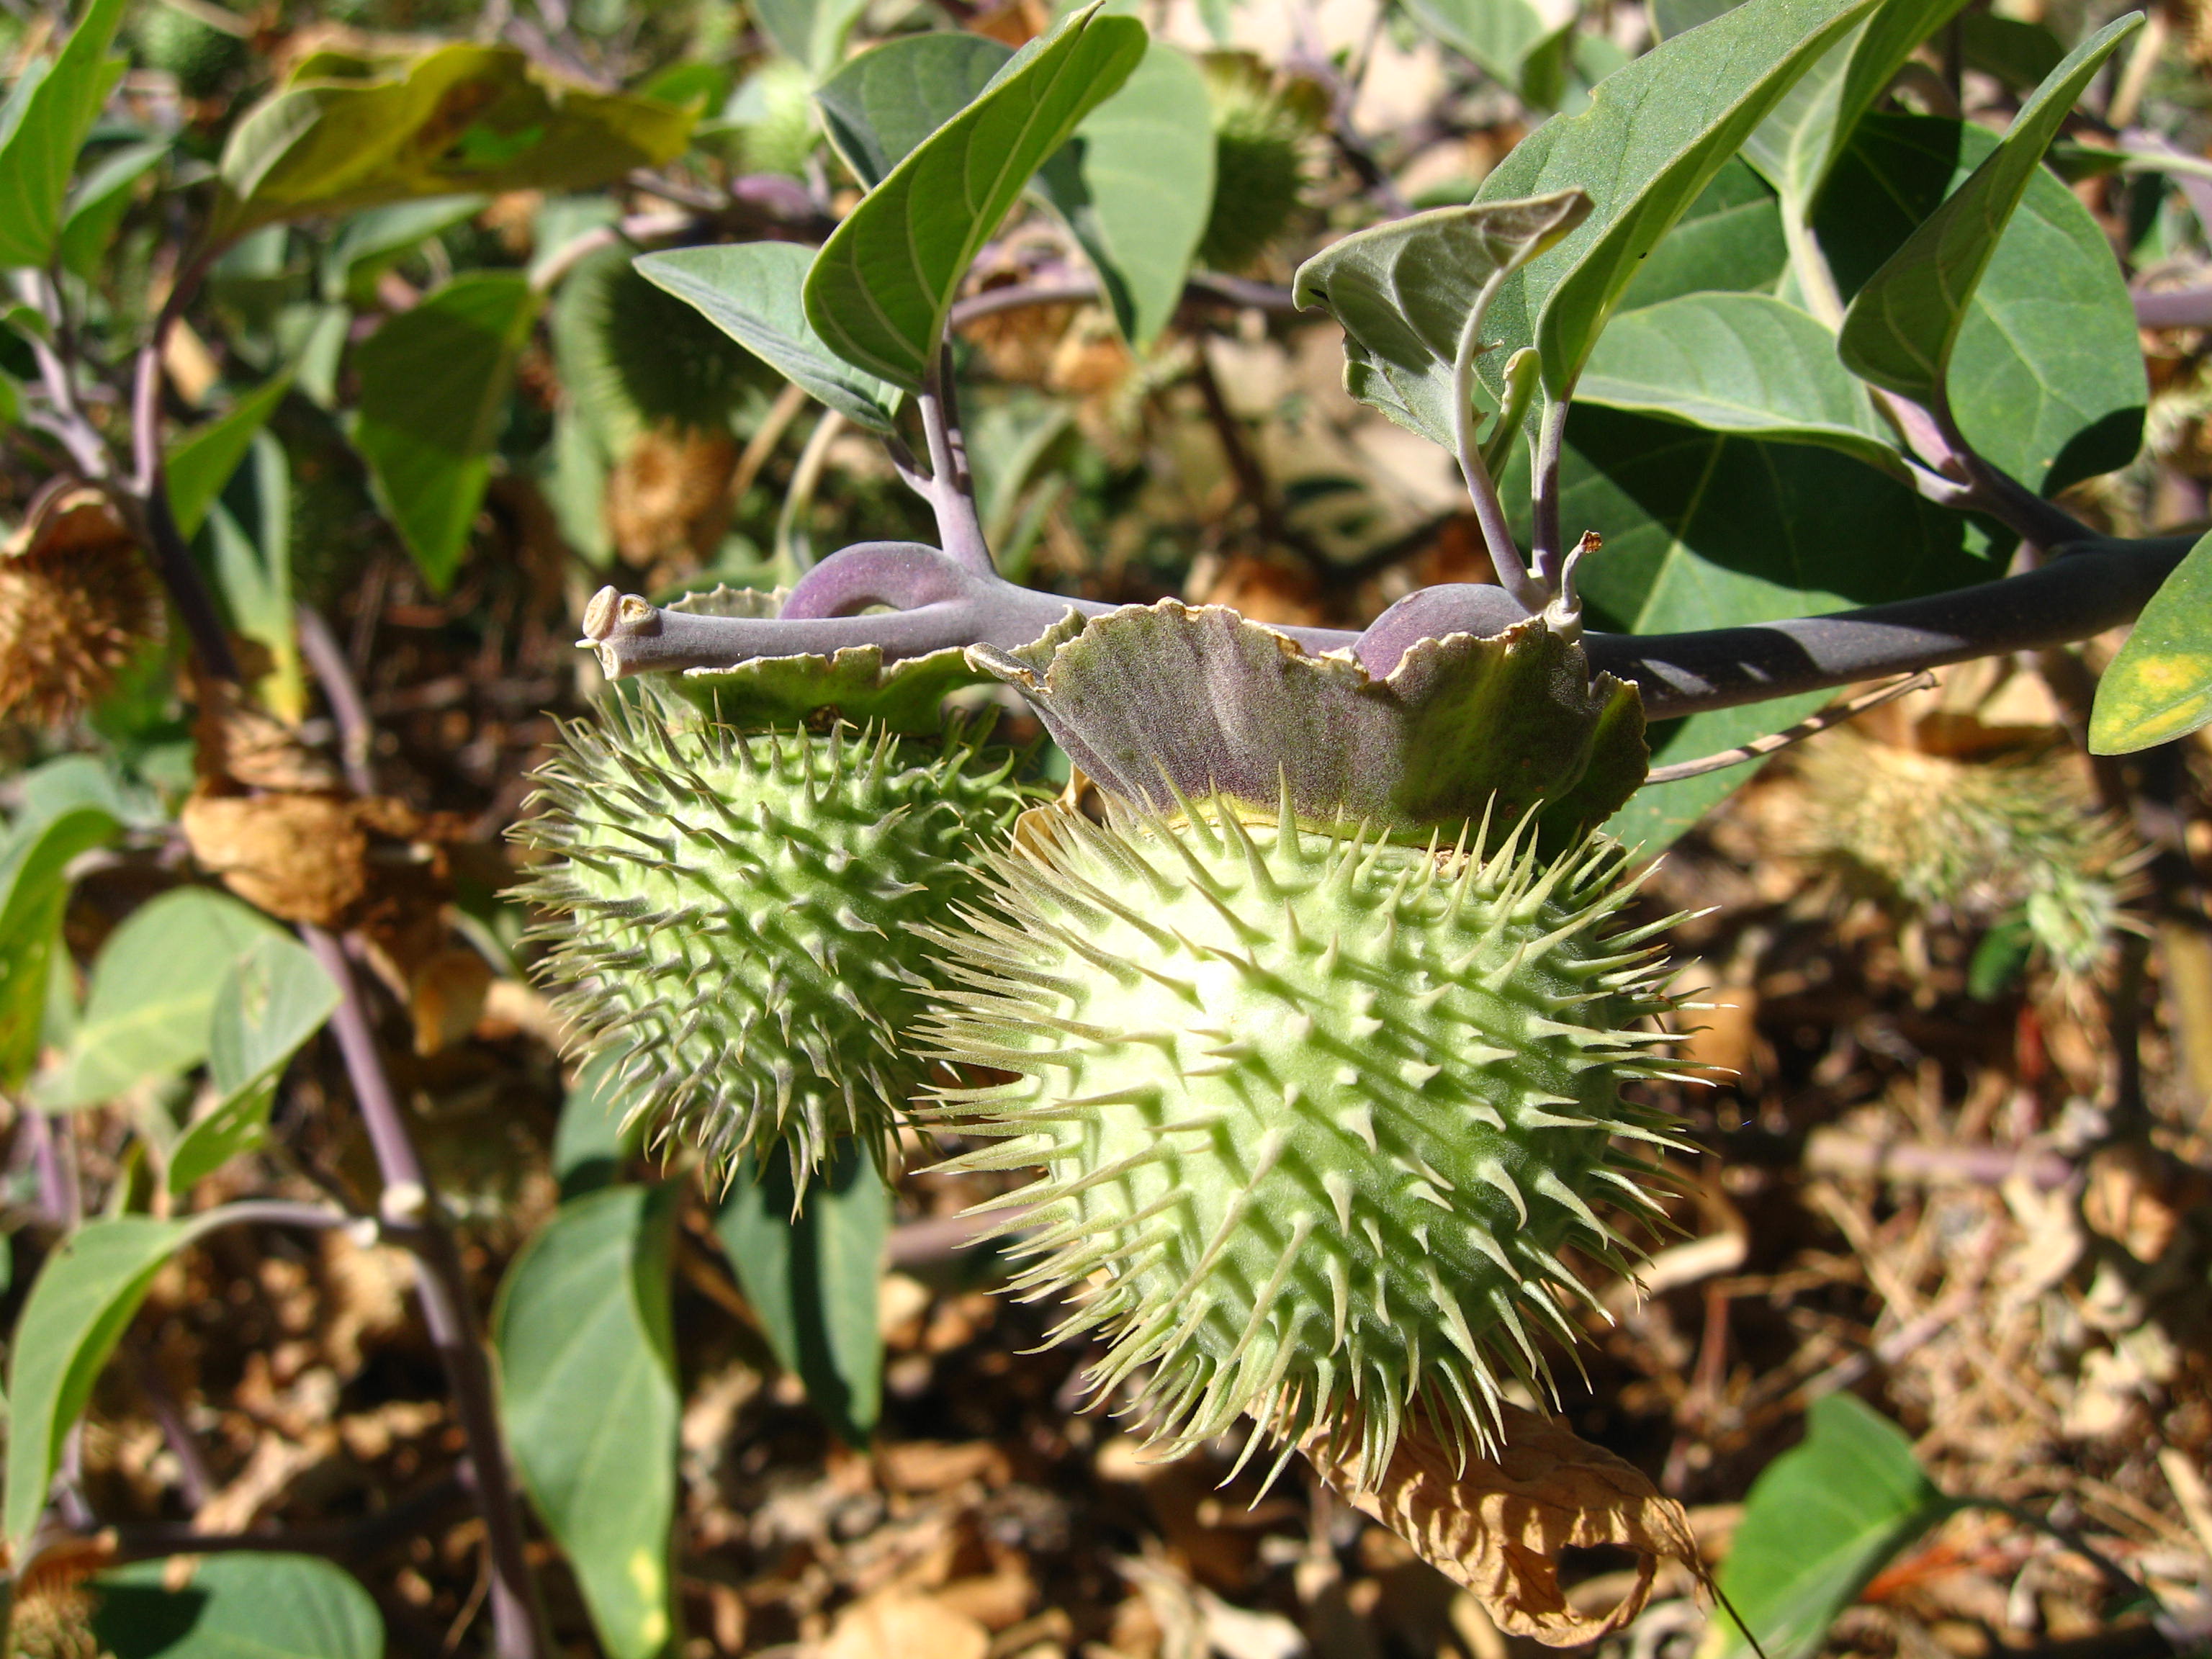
(634, 357)
(1318, 1113)
(202, 58)
(1977, 843)
(734, 912)
(1258, 163)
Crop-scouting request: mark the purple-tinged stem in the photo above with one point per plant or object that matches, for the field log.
(411, 1203)
(349, 711)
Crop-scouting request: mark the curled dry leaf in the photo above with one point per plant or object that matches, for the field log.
(1496, 1525)
(303, 858)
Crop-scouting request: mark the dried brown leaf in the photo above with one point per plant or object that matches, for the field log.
(300, 857)
(1495, 1525)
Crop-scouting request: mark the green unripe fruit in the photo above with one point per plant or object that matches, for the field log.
(1318, 1113)
(735, 911)
(1259, 164)
(634, 357)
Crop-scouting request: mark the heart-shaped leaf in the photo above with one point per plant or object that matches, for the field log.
(1902, 324)
(883, 284)
(1136, 186)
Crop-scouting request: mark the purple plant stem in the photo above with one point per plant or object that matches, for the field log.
(348, 713)
(411, 1203)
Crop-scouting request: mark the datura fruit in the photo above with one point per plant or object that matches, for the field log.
(1320, 1102)
(734, 908)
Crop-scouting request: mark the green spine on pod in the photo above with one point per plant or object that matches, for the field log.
(733, 911)
(1318, 1112)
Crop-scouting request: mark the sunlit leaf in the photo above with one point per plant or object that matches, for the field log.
(1797, 145)
(2046, 378)
(434, 385)
(275, 997)
(1508, 39)
(153, 993)
(1821, 1520)
(43, 127)
(751, 292)
(35, 860)
(1652, 139)
(1136, 186)
(880, 289)
(351, 133)
(1737, 362)
(2160, 686)
(77, 1310)
(812, 31)
(202, 461)
(1902, 324)
(812, 1278)
(589, 1400)
(98, 204)
(243, 1605)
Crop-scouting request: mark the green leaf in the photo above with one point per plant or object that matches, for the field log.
(201, 462)
(33, 892)
(1411, 294)
(1797, 144)
(1730, 240)
(877, 108)
(373, 240)
(1708, 530)
(1136, 186)
(1508, 39)
(2047, 378)
(43, 127)
(434, 385)
(2020, 55)
(812, 1276)
(1821, 1520)
(1737, 362)
(77, 1310)
(100, 202)
(1902, 326)
(2160, 686)
(245, 1604)
(751, 292)
(590, 1142)
(812, 31)
(882, 285)
(353, 132)
(272, 999)
(255, 576)
(153, 993)
(589, 1400)
(1652, 139)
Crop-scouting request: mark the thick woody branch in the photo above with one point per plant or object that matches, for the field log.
(937, 605)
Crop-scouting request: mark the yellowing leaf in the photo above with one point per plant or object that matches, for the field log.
(352, 133)
(2160, 686)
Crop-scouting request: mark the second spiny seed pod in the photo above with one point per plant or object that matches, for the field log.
(733, 911)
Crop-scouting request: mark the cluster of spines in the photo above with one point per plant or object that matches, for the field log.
(731, 910)
(1300, 1358)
